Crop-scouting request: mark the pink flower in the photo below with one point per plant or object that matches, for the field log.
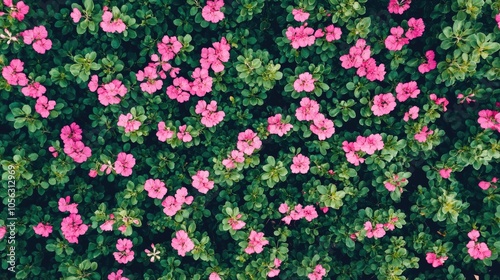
(13, 73)
(235, 223)
(308, 109)
(214, 276)
(72, 227)
(309, 213)
(169, 47)
(383, 104)
(431, 258)
(256, 242)
(300, 36)
(117, 275)
(439, 101)
(489, 119)
(210, 116)
(497, 18)
(300, 164)
(283, 208)
(276, 126)
(445, 173)
(201, 182)
(248, 142)
(171, 206)
(151, 85)
(332, 33)
(92, 173)
(430, 64)
(322, 127)
(299, 15)
(110, 25)
(478, 250)
(76, 15)
(317, 273)
(3, 231)
(211, 12)
(64, 205)
(155, 188)
(108, 225)
(43, 229)
(43, 106)
(398, 6)
(182, 197)
(19, 11)
(423, 134)
(416, 28)
(369, 144)
(184, 135)
(109, 93)
(164, 132)
(182, 243)
(124, 164)
(124, 254)
(395, 41)
(127, 121)
(235, 157)
(484, 185)
(413, 114)
(474, 235)
(94, 83)
(407, 90)
(34, 90)
(305, 82)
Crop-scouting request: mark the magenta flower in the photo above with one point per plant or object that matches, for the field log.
(423, 134)
(407, 90)
(256, 242)
(332, 33)
(478, 250)
(317, 273)
(124, 254)
(430, 64)
(72, 227)
(383, 104)
(43, 229)
(299, 15)
(305, 82)
(489, 119)
(117, 275)
(43, 106)
(110, 93)
(433, 259)
(124, 164)
(398, 6)
(64, 206)
(182, 243)
(169, 47)
(211, 12)
(201, 182)
(276, 126)
(396, 41)
(111, 25)
(13, 73)
(184, 135)
(300, 37)
(308, 109)
(155, 188)
(128, 122)
(235, 157)
(3, 231)
(322, 127)
(164, 132)
(416, 28)
(76, 15)
(34, 90)
(300, 164)
(445, 173)
(412, 113)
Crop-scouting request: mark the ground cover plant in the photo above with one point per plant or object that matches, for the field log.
(250, 139)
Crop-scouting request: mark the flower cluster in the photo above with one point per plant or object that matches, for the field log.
(124, 164)
(128, 122)
(411, 114)
(429, 65)
(275, 125)
(299, 15)
(433, 259)
(43, 229)
(214, 57)
(124, 254)
(201, 182)
(383, 104)
(71, 136)
(172, 204)
(72, 227)
(109, 93)
(423, 134)
(407, 90)
(489, 119)
(234, 157)
(164, 132)
(317, 273)
(305, 82)
(380, 229)
(235, 222)
(367, 145)
(211, 12)
(301, 36)
(152, 83)
(117, 275)
(275, 268)
(300, 164)
(18, 11)
(477, 250)
(359, 58)
(396, 41)
(256, 242)
(484, 185)
(155, 188)
(65, 206)
(309, 213)
(13, 73)
(110, 24)
(332, 33)
(398, 6)
(248, 142)
(209, 115)
(439, 101)
(38, 37)
(182, 243)
(395, 182)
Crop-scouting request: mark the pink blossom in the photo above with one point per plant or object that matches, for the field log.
(155, 188)
(94, 83)
(211, 11)
(13, 73)
(64, 206)
(439, 101)
(256, 242)
(235, 157)
(309, 213)
(478, 250)
(370, 144)
(423, 134)
(317, 273)
(332, 33)
(3, 231)
(108, 224)
(33, 90)
(390, 187)
(377, 232)
(19, 11)
(429, 65)
(127, 121)
(164, 132)
(235, 223)
(124, 254)
(77, 151)
(497, 18)
(182, 197)
(484, 185)
(489, 119)
(407, 90)
(201, 182)
(76, 15)
(305, 82)
(184, 135)
(209, 113)
(43, 106)
(182, 243)
(416, 28)
(300, 37)
(299, 15)
(300, 164)
(432, 258)
(445, 173)
(322, 127)
(396, 41)
(124, 164)
(412, 113)
(383, 104)
(43, 229)
(72, 227)
(276, 126)
(169, 47)
(71, 133)
(151, 85)
(110, 25)
(398, 6)
(308, 109)
(283, 208)
(171, 206)
(117, 275)
(214, 276)
(110, 93)
(248, 142)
